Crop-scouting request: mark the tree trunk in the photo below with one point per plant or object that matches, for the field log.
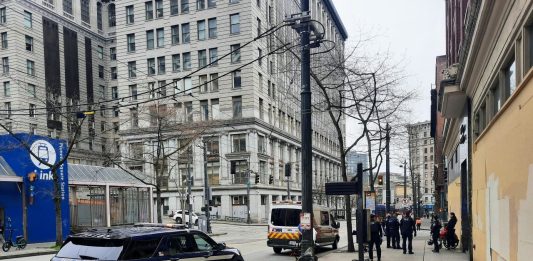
(159, 204)
(370, 162)
(347, 206)
(57, 207)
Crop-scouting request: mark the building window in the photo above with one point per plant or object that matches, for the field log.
(100, 52)
(496, 98)
(185, 33)
(237, 107)
(188, 111)
(235, 53)
(3, 16)
(99, 22)
(201, 30)
(236, 75)
(3, 38)
(130, 16)
(174, 9)
(204, 110)
(29, 43)
(114, 73)
(200, 5)
(186, 61)
(149, 10)
(28, 22)
(150, 64)
(111, 15)
(176, 63)
(160, 37)
(238, 142)
(30, 67)
(212, 23)
(258, 27)
(132, 69)
(5, 65)
(134, 117)
(233, 1)
(202, 58)
(260, 82)
(184, 6)
(215, 109)
(7, 109)
(114, 92)
(131, 42)
(235, 24)
(175, 34)
(7, 89)
(150, 39)
(510, 77)
(159, 8)
(202, 80)
(32, 90)
(213, 56)
(211, 3)
(161, 69)
(113, 53)
(85, 11)
(261, 109)
(214, 82)
(260, 56)
(101, 71)
(133, 92)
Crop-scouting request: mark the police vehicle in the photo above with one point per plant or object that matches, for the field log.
(284, 227)
(145, 242)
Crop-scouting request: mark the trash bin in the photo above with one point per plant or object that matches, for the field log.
(202, 223)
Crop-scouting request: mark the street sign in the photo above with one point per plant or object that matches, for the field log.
(305, 221)
(370, 200)
(341, 188)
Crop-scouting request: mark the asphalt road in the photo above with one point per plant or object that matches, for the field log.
(250, 240)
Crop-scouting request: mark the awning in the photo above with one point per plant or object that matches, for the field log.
(93, 175)
(6, 173)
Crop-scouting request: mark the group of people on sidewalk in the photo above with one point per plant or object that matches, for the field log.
(435, 231)
(393, 227)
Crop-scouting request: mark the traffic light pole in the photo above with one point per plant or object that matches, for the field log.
(206, 191)
(248, 219)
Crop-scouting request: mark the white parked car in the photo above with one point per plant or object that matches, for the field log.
(178, 217)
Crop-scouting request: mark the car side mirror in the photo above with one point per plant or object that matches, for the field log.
(337, 225)
(220, 246)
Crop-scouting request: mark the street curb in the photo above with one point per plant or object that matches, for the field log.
(40, 253)
(239, 224)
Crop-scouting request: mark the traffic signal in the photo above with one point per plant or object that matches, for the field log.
(257, 179)
(271, 180)
(380, 180)
(287, 169)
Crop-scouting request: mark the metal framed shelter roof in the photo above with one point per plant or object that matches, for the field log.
(6, 173)
(101, 176)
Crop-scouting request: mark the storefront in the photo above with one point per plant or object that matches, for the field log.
(27, 186)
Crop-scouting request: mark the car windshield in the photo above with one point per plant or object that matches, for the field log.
(91, 249)
(285, 217)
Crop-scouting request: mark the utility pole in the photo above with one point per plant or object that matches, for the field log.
(206, 190)
(405, 179)
(248, 219)
(387, 168)
(189, 187)
(307, 244)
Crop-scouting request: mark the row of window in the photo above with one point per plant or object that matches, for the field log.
(30, 66)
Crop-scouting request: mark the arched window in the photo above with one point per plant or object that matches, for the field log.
(99, 16)
(111, 13)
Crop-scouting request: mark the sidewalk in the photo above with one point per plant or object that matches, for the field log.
(30, 250)
(420, 247)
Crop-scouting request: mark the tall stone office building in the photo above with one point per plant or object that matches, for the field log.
(149, 58)
(421, 148)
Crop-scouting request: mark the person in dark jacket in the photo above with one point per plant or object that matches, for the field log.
(376, 234)
(393, 230)
(386, 229)
(408, 227)
(435, 230)
(450, 227)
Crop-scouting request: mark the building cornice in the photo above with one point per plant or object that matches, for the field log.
(336, 18)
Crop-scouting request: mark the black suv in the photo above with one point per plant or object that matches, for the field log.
(145, 242)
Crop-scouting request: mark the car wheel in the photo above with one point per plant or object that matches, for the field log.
(277, 250)
(335, 243)
(237, 258)
(179, 220)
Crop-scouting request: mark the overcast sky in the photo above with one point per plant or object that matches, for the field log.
(414, 33)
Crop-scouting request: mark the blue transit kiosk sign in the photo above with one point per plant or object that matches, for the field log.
(28, 203)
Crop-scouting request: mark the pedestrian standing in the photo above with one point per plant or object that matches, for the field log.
(450, 227)
(407, 226)
(435, 230)
(376, 234)
(418, 223)
(386, 229)
(393, 230)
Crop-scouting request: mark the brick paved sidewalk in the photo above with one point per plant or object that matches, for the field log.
(420, 248)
